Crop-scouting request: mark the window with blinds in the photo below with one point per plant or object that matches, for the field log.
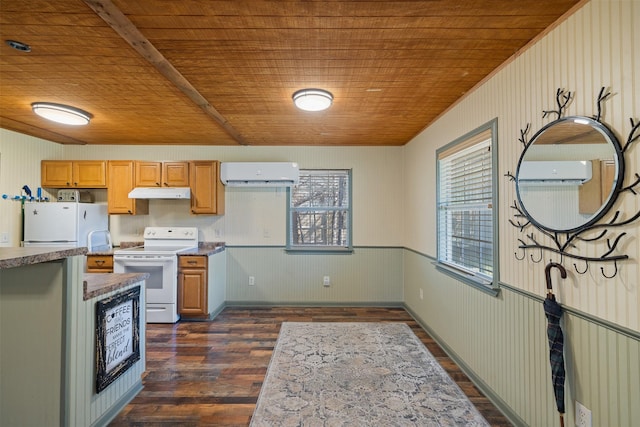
(465, 207)
(319, 215)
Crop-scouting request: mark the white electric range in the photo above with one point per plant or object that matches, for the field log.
(159, 258)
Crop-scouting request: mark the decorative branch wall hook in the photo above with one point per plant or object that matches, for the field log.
(586, 267)
(632, 185)
(632, 134)
(592, 239)
(567, 242)
(523, 135)
(615, 264)
(601, 97)
(539, 260)
(562, 99)
(612, 246)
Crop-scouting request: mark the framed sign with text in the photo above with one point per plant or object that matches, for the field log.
(118, 336)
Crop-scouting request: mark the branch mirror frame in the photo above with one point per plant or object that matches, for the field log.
(571, 142)
(585, 154)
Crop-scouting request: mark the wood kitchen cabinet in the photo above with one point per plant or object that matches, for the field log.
(121, 182)
(193, 286)
(207, 191)
(73, 173)
(99, 263)
(161, 174)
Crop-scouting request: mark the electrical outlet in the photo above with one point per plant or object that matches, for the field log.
(326, 281)
(252, 280)
(421, 296)
(583, 416)
(4, 237)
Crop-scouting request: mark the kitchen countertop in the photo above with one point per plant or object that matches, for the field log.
(96, 284)
(204, 248)
(19, 256)
(93, 284)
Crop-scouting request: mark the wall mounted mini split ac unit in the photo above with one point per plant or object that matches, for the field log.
(577, 172)
(259, 174)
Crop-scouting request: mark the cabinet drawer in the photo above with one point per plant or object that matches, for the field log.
(185, 261)
(99, 262)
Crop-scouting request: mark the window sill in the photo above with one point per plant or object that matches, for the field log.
(319, 250)
(469, 279)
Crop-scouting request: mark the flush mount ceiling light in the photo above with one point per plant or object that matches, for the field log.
(312, 99)
(60, 113)
(22, 47)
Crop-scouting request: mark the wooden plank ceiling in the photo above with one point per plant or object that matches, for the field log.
(222, 72)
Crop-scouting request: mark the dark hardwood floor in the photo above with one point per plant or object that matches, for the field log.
(210, 373)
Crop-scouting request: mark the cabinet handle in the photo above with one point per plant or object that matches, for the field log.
(158, 184)
(191, 262)
(99, 261)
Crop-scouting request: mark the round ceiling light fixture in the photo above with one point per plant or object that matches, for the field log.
(22, 47)
(312, 99)
(60, 113)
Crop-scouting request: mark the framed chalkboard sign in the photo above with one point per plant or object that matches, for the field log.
(118, 336)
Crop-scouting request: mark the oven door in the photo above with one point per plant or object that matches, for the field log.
(161, 285)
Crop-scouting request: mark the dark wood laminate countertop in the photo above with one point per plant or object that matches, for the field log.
(96, 284)
(20, 256)
(204, 248)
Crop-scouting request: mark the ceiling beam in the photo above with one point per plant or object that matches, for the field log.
(130, 33)
(38, 132)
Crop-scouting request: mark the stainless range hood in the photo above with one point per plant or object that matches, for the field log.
(160, 193)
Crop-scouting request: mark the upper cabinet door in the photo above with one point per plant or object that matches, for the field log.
(175, 174)
(56, 173)
(90, 174)
(148, 174)
(161, 174)
(121, 180)
(207, 191)
(73, 174)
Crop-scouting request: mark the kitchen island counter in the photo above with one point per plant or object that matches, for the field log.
(19, 256)
(48, 333)
(96, 284)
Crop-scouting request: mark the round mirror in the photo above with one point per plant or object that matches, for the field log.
(568, 176)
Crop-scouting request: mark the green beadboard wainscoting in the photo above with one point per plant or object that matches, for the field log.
(366, 276)
(501, 343)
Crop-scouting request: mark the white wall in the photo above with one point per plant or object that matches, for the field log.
(255, 216)
(20, 157)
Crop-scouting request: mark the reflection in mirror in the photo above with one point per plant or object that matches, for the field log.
(567, 174)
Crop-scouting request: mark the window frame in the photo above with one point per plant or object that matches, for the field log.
(347, 249)
(470, 139)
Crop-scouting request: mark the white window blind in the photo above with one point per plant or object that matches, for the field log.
(465, 211)
(320, 210)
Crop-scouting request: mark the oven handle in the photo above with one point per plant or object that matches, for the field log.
(136, 258)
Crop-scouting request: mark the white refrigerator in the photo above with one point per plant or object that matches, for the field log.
(62, 223)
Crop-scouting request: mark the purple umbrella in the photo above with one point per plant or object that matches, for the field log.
(553, 311)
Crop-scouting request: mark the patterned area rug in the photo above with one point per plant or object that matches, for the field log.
(358, 374)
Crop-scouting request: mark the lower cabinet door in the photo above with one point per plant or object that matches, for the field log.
(192, 292)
